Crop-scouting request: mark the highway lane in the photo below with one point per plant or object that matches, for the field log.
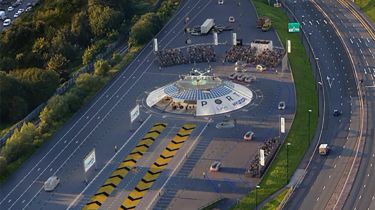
(362, 45)
(324, 174)
(79, 129)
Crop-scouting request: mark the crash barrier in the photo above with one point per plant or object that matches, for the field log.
(125, 166)
(157, 167)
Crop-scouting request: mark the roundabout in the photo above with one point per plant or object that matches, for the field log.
(200, 94)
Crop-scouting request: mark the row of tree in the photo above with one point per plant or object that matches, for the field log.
(42, 47)
(60, 108)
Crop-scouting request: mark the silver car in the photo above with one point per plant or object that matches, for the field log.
(281, 105)
(51, 183)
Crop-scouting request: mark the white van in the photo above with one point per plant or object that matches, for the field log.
(2, 15)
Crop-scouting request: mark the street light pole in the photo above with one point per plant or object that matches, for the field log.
(287, 162)
(256, 197)
(309, 126)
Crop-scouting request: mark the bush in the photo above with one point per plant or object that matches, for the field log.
(20, 142)
(101, 67)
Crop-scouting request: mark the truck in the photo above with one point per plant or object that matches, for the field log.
(323, 149)
(207, 26)
(264, 23)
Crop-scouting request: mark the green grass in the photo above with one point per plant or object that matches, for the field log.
(306, 97)
(274, 203)
(367, 6)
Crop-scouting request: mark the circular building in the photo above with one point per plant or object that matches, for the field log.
(200, 94)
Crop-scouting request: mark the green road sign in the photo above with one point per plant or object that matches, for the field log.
(293, 27)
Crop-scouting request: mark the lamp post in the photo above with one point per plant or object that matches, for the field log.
(256, 197)
(287, 161)
(309, 125)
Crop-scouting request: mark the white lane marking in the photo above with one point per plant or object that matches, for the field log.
(115, 105)
(109, 88)
(105, 166)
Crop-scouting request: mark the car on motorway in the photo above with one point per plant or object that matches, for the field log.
(51, 183)
(225, 124)
(7, 22)
(220, 2)
(215, 166)
(336, 113)
(249, 136)
(231, 19)
(281, 105)
(10, 9)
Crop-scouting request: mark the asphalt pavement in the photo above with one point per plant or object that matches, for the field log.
(329, 180)
(104, 123)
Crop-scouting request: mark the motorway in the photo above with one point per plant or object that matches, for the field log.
(328, 184)
(11, 13)
(104, 124)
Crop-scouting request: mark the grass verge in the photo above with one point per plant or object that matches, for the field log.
(306, 97)
(368, 7)
(274, 203)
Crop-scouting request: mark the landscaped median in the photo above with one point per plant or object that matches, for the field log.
(306, 97)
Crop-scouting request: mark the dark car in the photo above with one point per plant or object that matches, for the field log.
(336, 113)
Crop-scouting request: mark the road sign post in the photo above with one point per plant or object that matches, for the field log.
(88, 162)
(134, 113)
(294, 27)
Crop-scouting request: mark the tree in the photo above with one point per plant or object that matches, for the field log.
(101, 67)
(81, 29)
(144, 29)
(57, 63)
(41, 47)
(3, 166)
(12, 103)
(103, 19)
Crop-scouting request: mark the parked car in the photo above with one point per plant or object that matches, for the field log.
(231, 19)
(215, 166)
(249, 136)
(28, 9)
(51, 183)
(16, 15)
(20, 11)
(7, 22)
(220, 2)
(281, 105)
(10, 9)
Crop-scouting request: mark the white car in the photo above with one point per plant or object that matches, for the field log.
(20, 11)
(28, 8)
(10, 9)
(248, 136)
(220, 2)
(16, 15)
(225, 124)
(215, 166)
(281, 105)
(7, 22)
(231, 19)
(51, 183)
